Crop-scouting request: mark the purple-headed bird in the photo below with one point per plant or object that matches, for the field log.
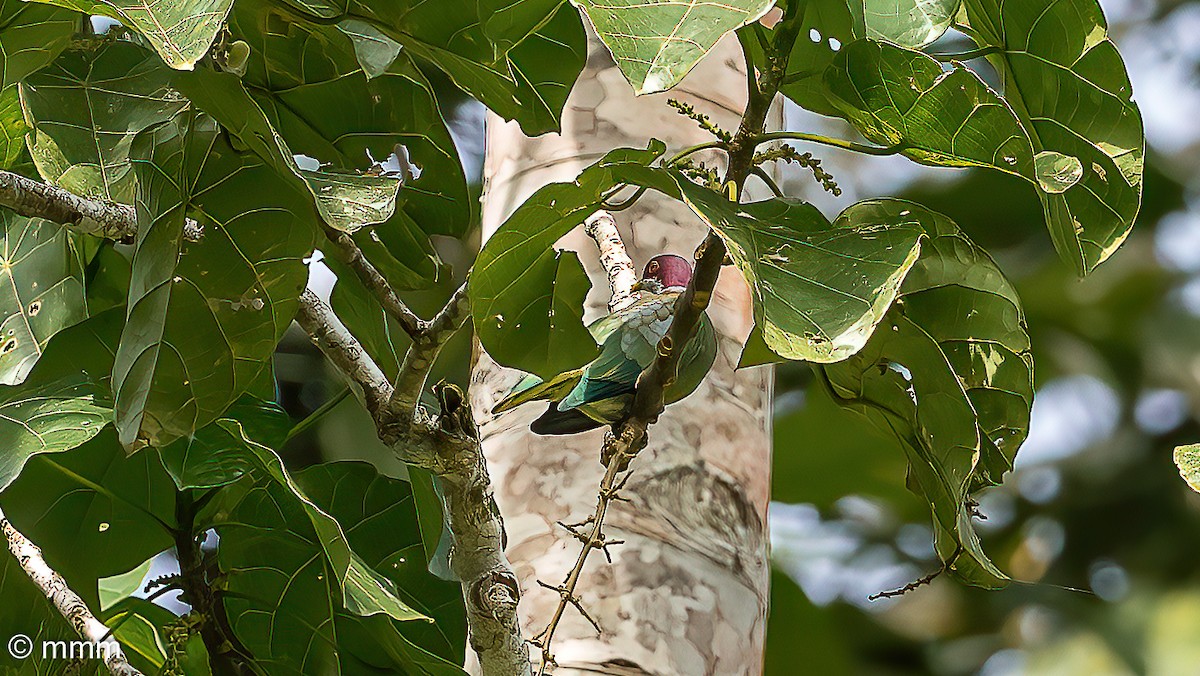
(601, 392)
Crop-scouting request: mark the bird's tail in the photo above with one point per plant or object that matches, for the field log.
(531, 388)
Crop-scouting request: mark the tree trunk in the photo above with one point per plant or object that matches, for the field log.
(687, 593)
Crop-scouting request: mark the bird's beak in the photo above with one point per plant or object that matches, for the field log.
(637, 286)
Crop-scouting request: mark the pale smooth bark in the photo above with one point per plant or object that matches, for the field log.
(687, 593)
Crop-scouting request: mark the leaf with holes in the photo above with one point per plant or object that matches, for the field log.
(657, 42)
(47, 418)
(87, 107)
(196, 340)
(950, 374)
(1068, 85)
(181, 31)
(908, 23)
(41, 291)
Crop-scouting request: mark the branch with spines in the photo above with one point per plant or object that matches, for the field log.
(614, 257)
(65, 600)
(446, 443)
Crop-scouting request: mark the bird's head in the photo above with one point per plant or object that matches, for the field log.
(665, 271)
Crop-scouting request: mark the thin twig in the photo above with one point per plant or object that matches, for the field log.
(32, 199)
(348, 252)
(65, 600)
(315, 417)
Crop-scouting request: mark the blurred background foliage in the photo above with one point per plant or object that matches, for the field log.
(1095, 520)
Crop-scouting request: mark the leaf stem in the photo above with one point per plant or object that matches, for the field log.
(878, 151)
(977, 53)
(315, 417)
(692, 150)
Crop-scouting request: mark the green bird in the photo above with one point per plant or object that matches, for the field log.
(601, 392)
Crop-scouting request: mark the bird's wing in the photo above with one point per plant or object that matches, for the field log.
(627, 350)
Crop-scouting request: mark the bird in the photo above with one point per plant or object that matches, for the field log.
(601, 392)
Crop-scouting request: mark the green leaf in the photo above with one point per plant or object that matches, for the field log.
(194, 340)
(375, 51)
(908, 23)
(950, 374)
(12, 128)
(51, 418)
(819, 289)
(344, 200)
(218, 453)
(309, 83)
(895, 96)
(94, 511)
(387, 536)
(117, 588)
(1187, 459)
(1067, 83)
(519, 58)
(86, 109)
(180, 31)
(285, 595)
(41, 291)
(657, 42)
(32, 35)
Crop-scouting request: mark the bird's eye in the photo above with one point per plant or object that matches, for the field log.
(653, 267)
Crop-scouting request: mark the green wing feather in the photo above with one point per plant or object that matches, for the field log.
(531, 388)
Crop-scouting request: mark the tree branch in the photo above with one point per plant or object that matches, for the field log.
(448, 446)
(421, 355)
(601, 227)
(343, 349)
(66, 601)
(348, 252)
(101, 219)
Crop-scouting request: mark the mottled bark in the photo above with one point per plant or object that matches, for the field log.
(66, 601)
(687, 593)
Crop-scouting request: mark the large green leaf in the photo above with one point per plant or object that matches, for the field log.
(657, 42)
(197, 339)
(895, 96)
(285, 600)
(1067, 83)
(86, 109)
(41, 291)
(181, 31)
(32, 36)
(229, 449)
(513, 280)
(950, 374)
(94, 511)
(910, 23)
(824, 27)
(305, 93)
(819, 289)
(518, 58)
(387, 535)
